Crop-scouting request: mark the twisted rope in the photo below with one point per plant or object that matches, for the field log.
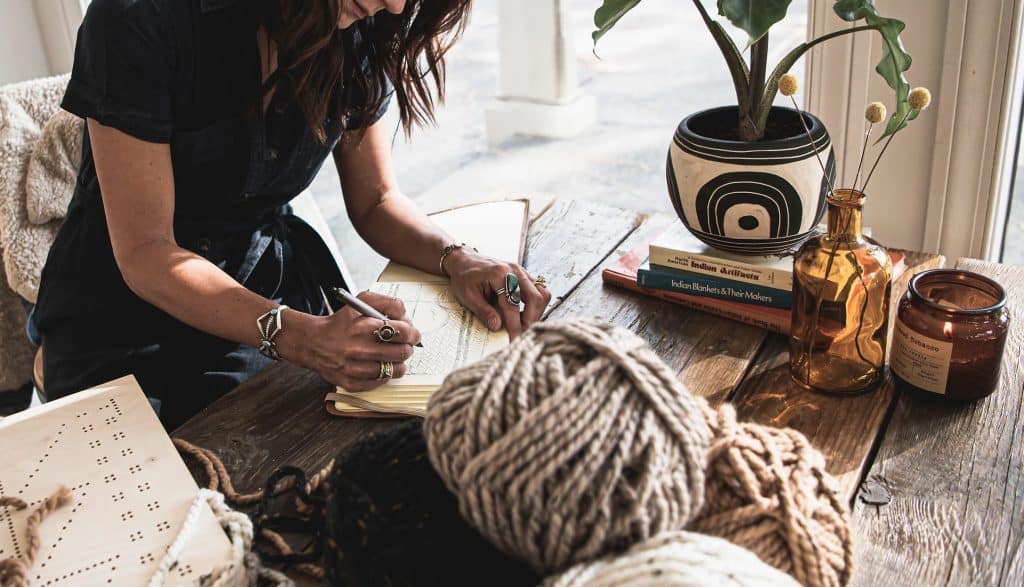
(676, 558)
(768, 491)
(14, 570)
(574, 441)
(217, 477)
(577, 441)
(243, 569)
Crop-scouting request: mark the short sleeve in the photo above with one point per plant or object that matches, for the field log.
(355, 123)
(124, 67)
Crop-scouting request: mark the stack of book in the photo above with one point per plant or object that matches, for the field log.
(677, 267)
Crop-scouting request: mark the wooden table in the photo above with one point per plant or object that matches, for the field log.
(937, 490)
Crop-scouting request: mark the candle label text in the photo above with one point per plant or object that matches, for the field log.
(920, 360)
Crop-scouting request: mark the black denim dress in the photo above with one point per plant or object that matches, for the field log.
(180, 72)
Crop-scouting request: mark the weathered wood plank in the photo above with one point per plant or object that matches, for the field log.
(845, 429)
(943, 503)
(365, 264)
(278, 418)
(711, 353)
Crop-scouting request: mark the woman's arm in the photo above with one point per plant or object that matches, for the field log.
(137, 184)
(396, 228)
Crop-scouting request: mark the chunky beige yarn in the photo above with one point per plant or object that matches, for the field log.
(573, 442)
(676, 559)
(768, 491)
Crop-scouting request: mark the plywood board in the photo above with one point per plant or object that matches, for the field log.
(130, 489)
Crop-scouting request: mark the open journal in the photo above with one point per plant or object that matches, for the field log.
(452, 335)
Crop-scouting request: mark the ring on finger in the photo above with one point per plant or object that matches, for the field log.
(386, 333)
(540, 281)
(511, 289)
(387, 370)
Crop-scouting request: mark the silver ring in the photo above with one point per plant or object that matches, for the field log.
(386, 333)
(387, 370)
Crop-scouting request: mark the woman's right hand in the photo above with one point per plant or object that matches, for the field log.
(344, 350)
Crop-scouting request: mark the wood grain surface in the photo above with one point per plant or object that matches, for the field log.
(844, 428)
(711, 354)
(943, 503)
(277, 417)
(921, 515)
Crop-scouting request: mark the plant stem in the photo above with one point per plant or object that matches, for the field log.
(749, 131)
(784, 65)
(817, 155)
(880, 154)
(733, 58)
(863, 150)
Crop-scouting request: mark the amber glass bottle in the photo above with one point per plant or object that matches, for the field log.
(841, 288)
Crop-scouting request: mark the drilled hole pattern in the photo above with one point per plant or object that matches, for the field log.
(71, 576)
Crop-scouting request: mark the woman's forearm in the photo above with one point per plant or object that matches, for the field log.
(198, 293)
(397, 229)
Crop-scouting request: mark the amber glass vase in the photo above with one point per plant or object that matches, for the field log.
(841, 288)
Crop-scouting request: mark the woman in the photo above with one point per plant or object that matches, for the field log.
(204, 118)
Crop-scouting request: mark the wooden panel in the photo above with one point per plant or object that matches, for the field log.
(711, 353)
(277, 417)
(845, 429)
(944, 500)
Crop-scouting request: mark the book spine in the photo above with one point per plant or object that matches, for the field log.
(696, 284)
(780, 279)
(770, 321)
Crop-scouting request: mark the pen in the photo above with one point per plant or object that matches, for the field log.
(360, 306)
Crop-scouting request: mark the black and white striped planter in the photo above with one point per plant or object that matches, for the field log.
(756, 198)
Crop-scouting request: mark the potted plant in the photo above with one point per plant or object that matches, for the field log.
(747, 178)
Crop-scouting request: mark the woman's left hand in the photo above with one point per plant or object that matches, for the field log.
(475, 281)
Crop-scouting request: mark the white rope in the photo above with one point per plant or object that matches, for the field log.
(244, 566)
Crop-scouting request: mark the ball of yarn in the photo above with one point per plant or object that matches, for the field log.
(572, 442)
(676, 559)
(391, 521)
(768, 491)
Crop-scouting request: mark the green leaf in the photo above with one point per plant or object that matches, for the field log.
(895, 60)
(755, 17)
(610, 12)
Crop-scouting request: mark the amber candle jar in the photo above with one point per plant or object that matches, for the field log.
(950, 334)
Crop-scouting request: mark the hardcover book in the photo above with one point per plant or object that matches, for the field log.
(622, 273)
(711, 286)
(677, 249)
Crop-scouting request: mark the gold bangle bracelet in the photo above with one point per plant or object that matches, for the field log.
(448, 250)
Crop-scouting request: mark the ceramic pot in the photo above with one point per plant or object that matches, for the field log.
(750, 198)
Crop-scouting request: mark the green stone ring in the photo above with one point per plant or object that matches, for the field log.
(511, 289)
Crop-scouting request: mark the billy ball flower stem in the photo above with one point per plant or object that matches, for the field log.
(874, 114)
(919, 99)
(788, 86)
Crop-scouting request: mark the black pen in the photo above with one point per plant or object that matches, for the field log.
(362, 307)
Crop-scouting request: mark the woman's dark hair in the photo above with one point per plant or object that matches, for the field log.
(344, 72)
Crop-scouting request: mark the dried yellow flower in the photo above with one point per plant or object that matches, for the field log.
(875, 112)
(788, 85)
(920, 98)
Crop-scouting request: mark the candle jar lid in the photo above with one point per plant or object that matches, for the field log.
(950, 334)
